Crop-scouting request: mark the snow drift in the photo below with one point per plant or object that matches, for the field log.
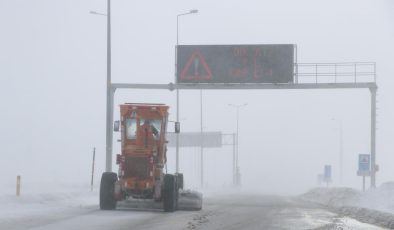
(375, 206)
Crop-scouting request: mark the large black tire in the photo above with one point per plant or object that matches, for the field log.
(107, 189)
(170, 193)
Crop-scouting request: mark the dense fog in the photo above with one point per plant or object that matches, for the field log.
(53, 76)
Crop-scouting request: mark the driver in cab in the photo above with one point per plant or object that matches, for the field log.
(149, 129)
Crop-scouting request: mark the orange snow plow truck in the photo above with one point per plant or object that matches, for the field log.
(142, 162)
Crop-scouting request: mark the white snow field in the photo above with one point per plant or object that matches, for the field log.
(35, 207)
(78, 209)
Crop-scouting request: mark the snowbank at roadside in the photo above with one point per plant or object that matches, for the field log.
(381, 198)
(375, 206)
(31, 204)
(334, 197)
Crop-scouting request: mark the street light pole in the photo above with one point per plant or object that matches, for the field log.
(177, 93)
(237, 175)
(177, 90)
(110, 93)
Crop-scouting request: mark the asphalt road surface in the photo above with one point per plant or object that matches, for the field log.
(219, 212)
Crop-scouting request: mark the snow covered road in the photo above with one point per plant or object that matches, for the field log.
(231, 211)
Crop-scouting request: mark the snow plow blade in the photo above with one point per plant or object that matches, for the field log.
(189, 200)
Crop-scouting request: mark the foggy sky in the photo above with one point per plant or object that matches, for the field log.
(53, 75)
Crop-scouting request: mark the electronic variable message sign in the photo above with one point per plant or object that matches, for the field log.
(235, 63)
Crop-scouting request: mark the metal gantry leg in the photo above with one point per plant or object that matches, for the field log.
(108, 141)
(177, 135)
(373, 136)
(110, 121)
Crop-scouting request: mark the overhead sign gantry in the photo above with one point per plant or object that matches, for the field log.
(242, 68)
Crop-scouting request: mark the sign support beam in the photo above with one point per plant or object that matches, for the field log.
(237, 86)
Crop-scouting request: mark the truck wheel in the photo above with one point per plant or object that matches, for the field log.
(107, 191)
(169, 193)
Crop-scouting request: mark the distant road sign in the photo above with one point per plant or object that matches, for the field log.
(194, 139)
(364, 165)
(235, 63)
(327, 173)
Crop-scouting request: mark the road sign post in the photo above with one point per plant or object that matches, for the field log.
(320, 179)
(364, 167)
(327, 174)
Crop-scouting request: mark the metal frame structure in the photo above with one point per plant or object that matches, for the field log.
(372, 86)
(328, 72)
(325, 76)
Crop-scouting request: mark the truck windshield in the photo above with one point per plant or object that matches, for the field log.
(131, 128)
(156, 126)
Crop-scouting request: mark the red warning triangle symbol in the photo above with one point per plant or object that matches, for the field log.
(196, 68)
